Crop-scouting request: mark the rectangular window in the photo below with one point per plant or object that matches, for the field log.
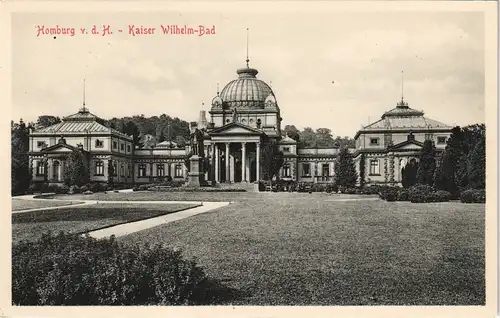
(128, 148)
(306, 170)
(142, 170)
(129, 169)
(441, 140)
(115, 145)
(122, 170)
(40, 168)
(99, 143)
(287, 149)
(178, 171)
(41, 144)
(325, 170)
(374, 167)
(374, 141)
(122, 147)
(286, 170)
(115, 171)
(99, 168)
(160, 170)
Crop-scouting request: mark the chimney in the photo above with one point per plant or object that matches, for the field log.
(202, 121)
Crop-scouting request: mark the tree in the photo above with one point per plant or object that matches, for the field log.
(324, 138)
(111, 172)
(292, 132)
(409, 174)
(362, 170)
(46, 121)
(271, 160)
(427, 164)
(346, 175)
(342, 142)
(161, 137)
(476, 165)
(181, 141)
(308, 138)
(76, 171)
(20, 167)
(131, 129)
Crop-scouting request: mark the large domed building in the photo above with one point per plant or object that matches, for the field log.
(244, 117)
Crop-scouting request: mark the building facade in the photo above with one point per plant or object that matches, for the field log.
(244, 116)
(387, 145)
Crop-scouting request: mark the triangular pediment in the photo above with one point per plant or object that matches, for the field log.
(235, 128)
(64, 148)
(408, 144)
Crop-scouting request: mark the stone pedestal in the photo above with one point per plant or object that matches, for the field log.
(196, 174)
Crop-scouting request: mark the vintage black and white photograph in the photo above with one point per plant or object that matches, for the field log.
(250, 156)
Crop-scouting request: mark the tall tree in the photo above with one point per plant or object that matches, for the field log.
(346, 175)
(20, 167)
(76, 170)
(46, 121)
(271, 160)
(292, 132)
(342, 142)
(409, 174)
(476, 165)
(131, 129)
(308, 138)
(111, 173)
(427, 165)
(324, 138)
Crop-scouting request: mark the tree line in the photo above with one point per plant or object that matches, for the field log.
(321, 138)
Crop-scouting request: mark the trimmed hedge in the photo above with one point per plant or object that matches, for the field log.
(75, 270)
(473, 196)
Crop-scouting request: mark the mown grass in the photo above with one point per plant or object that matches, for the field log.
(31, 225)
(19, 204)
(299, 249)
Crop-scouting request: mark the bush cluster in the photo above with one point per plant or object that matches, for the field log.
(473, 196)
(64, 189)
(415, 194)
(75, 270)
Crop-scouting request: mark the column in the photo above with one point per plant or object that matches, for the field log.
(231, 168)
(60, 171)
(227, 162)
(50, 168)
(217, 161)
(257, 155)
(243, 162)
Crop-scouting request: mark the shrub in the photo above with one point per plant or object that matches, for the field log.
(88, 192)
(402, 195)
(473, 196)
(84, 189)
(75, 270)
(442, 196)
(389, 194)
(74, 189)
(95, 187)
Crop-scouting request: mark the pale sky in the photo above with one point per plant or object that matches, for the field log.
(442, 55)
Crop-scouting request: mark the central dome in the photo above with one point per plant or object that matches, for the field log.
(247, 91)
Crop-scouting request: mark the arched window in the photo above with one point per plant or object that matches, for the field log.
(99, 168)
(244, 121)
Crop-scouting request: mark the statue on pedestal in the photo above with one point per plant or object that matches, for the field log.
(235, 115)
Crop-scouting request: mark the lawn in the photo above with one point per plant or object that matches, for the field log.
(31, 225)
(300, 249)
(20, 204)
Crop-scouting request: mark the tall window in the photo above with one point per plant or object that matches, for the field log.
(286, 170)
(40, 168)
(129, 169)
(115, 145)
(306, 170)
(122, 170)
(178, 171)
(115, 170)
(128, 148)
(122, 147)
(325, 170)
(99, 168)
(374, 167)
(142, 170)
(160, 170)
